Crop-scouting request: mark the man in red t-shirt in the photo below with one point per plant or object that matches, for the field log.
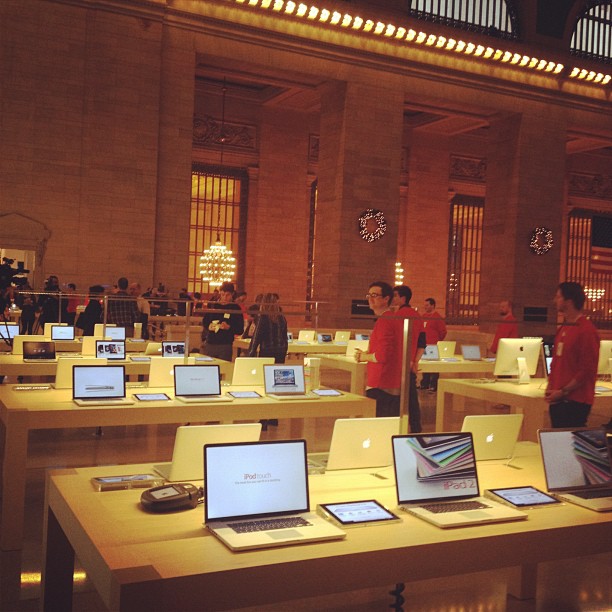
(571, 385)
(508, 328)
(435, 330)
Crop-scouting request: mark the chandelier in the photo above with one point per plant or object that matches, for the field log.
(217, 263)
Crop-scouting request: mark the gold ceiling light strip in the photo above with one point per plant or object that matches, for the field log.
(355, 23)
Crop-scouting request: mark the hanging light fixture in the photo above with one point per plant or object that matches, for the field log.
(217, 263)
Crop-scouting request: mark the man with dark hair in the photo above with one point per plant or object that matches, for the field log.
(122, 309)
(384, 354)
(435, 331)
(507, 328)
(402, 294)
(220, 328)
(571, 385)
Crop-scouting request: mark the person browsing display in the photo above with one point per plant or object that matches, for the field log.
(571, 385)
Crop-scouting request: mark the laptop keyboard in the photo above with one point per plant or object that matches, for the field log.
(268, 524)
(597, 494)
(454, 506)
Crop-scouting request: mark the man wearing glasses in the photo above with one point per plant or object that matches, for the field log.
(384, 354)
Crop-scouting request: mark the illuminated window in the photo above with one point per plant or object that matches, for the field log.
(592, 37)
(464, 260)
(493, 17)
(597, 285)
(218, 205)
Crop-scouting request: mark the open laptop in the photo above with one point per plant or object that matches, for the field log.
(494, 435)
(248, 371)
(306, 336)
(99, 385)
(110, 349)
(115, 333)
(35, 352)
(286, 382)
(359, 443)
(161, 370)
(63, 373)
(99, 329)
(342, 337)
(437, 481)
(353, 345)
(362, 336)
(173, 349)
(471, 352)
(62, 332)
(186, 461)
(8, 330)
(577, 466)
(446, 349)
(324, 338)
(431, 353)
(153, 348)
(257, 496)
(198, 383)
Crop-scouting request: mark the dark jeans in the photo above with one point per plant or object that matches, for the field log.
(430, 381)
(220, 351)
(569, 414)
(388, 405)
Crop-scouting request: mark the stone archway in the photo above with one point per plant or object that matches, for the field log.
(19, 231)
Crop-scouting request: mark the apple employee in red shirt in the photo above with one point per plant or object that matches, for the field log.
(571, 385)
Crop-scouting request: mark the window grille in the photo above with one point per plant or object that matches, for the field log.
(492, 17)
(597, 286)
(216, 190)
(592, 37)
(464, 260)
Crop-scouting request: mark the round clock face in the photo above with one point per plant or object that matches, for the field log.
(372, 224)
(541, 240)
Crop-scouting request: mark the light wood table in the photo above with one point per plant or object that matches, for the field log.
(23, 411)
(358, 371)
(458, 365)
(141, 561)
(526, 399)
(295, 349)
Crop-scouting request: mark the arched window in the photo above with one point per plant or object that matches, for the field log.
(592, 36)
(492, 17)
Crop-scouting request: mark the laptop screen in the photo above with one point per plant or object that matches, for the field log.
(575, 458)
(197, 380)
(62, 332)
(255, 479)
(8, 330)
(282, 378)
(431, 352)
(104, 381)
(173, 349)
(548, 356)
(323, 338)
(110, 349)
(39, 350)
(434, 467)
(470, 352)
(362, 336)
(114, 333)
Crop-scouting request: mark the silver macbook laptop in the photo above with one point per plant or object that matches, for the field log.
(115, 333)
(324, 338)
(110, 349)
(257, 496)
(353, 345)
(153, 348)
(198, 383)
(249, 371)
(446, 348)
(62, 332)
(437, 481)
(577, 466)
(342, 337)
(431, 353)
(173, 349)
(186, 461)
(306, 336)
(39, 351)
(494, 435)
(161, 370)
(286, 382)
(99, 385)
(359, 443)
(471, 352)
(63, 372)
(362, 336)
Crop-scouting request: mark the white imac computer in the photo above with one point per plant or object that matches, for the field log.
(604, 366)
(518, 357)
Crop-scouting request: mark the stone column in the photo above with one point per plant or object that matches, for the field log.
(359, 168)
(525, 189)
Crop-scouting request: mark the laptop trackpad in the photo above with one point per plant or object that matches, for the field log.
(286, 534)
(476, 514)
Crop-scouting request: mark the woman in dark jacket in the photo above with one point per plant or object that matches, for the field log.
(270, 336)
